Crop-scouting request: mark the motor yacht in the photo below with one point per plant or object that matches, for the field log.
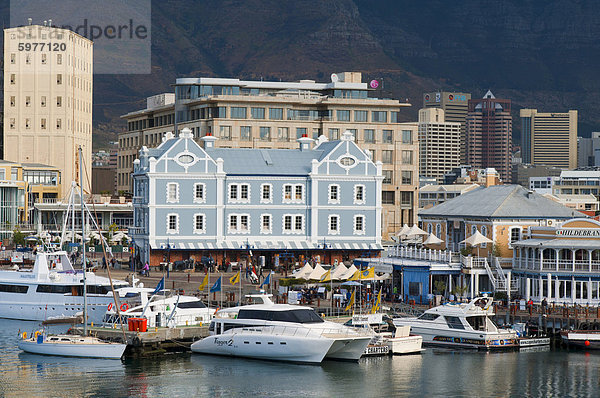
(281, 332)
(466, 325)
(53, 289)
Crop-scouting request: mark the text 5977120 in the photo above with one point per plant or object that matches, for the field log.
(42, 46)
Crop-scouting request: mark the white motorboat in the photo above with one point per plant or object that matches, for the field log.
(389, 339)
(281, 332)
(466, 325)
(163, 309)
(53, 289)
(71, 346)
(401, 342)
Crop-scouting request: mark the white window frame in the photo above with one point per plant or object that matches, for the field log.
(203, 198)
(238, 190)
(330, 199)
(510, 242)
(270, 198)
(484, 233)
(356, 200)
(264, 230)
(176, 200)
(293, 193)
(438, 230)
(329, 219)
(238, 229)
(429, 228)
(293, 230)
(364, 225)
(203, 229)
(176, 230)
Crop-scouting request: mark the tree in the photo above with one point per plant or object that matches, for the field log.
(18, 236)
(439, 287)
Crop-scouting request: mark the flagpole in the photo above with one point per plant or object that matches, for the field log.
(221, 290)
(240, 280)
(208, 287)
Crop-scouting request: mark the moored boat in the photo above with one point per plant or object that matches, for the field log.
(70, 346)
(581, 338)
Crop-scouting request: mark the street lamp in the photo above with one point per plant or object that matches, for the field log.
(168, 246)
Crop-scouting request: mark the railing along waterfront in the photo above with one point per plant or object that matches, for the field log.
(440, 256)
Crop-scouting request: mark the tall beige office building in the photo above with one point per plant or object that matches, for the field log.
(260, 114)
(439, 144)
(48, 98)
(549, 138)
(456, 107)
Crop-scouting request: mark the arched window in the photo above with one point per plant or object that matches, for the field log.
(473, 229)
(429, 228)
(438, 230)
(484, 233)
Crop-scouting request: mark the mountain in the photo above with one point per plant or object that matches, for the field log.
(540, 54)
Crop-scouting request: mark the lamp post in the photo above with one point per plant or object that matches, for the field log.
(248, 247)
(168, 259)
(325, 247)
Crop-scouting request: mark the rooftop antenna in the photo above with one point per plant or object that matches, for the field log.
(29, 20)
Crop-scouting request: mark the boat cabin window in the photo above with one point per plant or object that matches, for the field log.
(14, 288)
(296, 316)
(428, 317)
(211, 327)
(61, 289)
(477, 322)
(454, 322)
(192, 304)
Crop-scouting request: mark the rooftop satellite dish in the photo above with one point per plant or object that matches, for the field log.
(334, 78)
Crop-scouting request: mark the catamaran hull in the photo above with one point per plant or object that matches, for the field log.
(260, 346)
(106, 351)
(348, 349)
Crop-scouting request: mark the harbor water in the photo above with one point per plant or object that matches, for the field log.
(436, 372)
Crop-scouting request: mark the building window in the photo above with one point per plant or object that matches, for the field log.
(28, 101)
(239, 193)
(199, 192)
(360, 116)
(276, 113)
(13, 58)
(343, 116)
(484, 233)
(238, 112)
(293, 193)
(58, 124)
(225, 132)
(316, 133)
(59, 101)
(406, 198)
(429, 228)
(293, 223)
(334, 225)
(334, 194)
(265, 133)
(239, 224)
(12, 100)
(283, 133)
(199, 224)
(359, 194)
(406, 177)
(473, 229)
(12, 123)
(59, 59)
(265, 193)
(334, 134)
(388, 176)
(245, 133)
(172, 192)
(12, 78)
(59, 78)
(265, 224)
(172, 223)
(407, 157)
(438, 230)
(515, 235)
(379, 116)
(43, 124)
(387, 156)
(43, 101)
(257, 113)
(27, 123)
(387, 197)
(388, 136)
(406, 136)
(371, 153)
(369, 136)
(300, 132)
(359, 224)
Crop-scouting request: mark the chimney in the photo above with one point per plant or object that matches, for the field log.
(304, 142)
(29, 20)
(208, 140)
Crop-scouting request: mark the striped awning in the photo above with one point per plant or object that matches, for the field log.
(263, 245)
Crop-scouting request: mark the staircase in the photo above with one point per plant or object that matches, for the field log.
(498, 277)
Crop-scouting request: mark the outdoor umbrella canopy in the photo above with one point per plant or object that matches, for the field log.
(403, 231)
(415, 231)
(383, 277)
(432, 240)
(476, 239)
(339, 272)
(317, 273)
(351, 270)
(304, 272)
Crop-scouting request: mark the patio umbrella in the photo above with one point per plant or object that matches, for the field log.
(317, 273)
(432, 240)
(403, 231)
(339, 272)
(304, 272)
(415, 231)
(477, 239)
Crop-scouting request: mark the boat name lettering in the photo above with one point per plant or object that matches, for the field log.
(578, 232)
(221, 343)
(27, 276)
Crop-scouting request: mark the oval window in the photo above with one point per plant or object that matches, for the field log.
(185, 159)
(347, 161)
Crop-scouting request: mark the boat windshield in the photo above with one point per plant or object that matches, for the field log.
(192, 304)
(296, 316)
(478, 322)
(428, 316)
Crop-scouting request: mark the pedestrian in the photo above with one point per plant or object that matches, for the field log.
(113, 262)
(103, 262)
(544, 305)
(146, 269)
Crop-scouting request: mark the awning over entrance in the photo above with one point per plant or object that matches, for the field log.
(559, 243)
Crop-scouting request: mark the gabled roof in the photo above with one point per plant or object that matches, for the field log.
(265, 161)
(502, 201)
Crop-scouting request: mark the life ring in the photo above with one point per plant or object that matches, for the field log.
(124, 307)
(109, 306)
(24, 335)
(36, 334)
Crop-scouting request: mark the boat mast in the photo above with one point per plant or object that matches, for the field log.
(84, 265)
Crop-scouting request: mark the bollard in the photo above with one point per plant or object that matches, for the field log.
(173, 285)
(188, 278)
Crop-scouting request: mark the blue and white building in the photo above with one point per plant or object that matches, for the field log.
(224, 202)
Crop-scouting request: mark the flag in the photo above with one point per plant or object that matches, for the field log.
(267, 280)
(326, 276)
(160, 286)
(355, 277)
(369, 273)
(377, 303)
(351, 301)
(204, 283)
(235, 279)
(217, 286)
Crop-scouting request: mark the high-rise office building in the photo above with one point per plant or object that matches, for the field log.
(439, 144)
(456, 107)
(261, 114)
(588, 150)
(48, 98)
(549, 138)
(489, 132)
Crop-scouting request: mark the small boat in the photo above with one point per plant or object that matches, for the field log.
(461, 325)
(63, 319)
(530, 335)
(281, 332)
(581, 338)
(70, 346)
(404, 343)
(389, 339)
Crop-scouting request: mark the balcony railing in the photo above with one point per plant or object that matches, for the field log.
(440, 256)
(565, 265)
